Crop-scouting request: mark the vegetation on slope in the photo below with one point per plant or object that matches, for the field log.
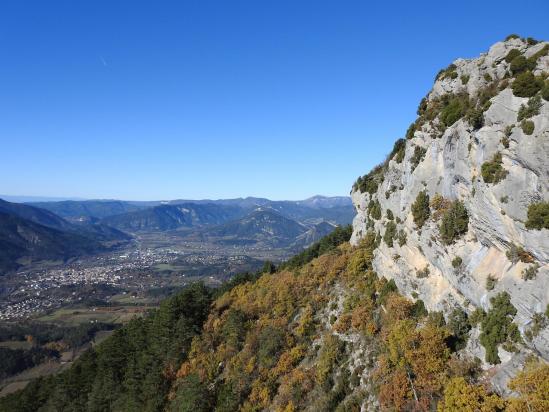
(323, 335)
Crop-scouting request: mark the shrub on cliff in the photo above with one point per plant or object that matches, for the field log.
(531, 109)
(527, 127)
(454, 223)
(526, 84)
(492, 171)
(498, 327)
(417, 157)
(399, 150)
(538, 216)
(420, 209)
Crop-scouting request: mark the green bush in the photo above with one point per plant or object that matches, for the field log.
(465, 79)
(530, 272)
(456, 262)
(512, 36)
(399, 150)
(477, 316)
(390, 233)
(491, 282)
(521, 64)
(538, 216)
(417, 157)
(390, 215)
(531, 109)
(374, 209)
(545, 92)
(475, 117)
(455, 222)
(370, 182)
(423, 273)
(526, 84)
(513, 53)
(455, 109)
(410, 131)
(402, 238)
(527, 127)
(420, 209)
(448, 72)
(497, 327)
(458, 323)
(493, 171)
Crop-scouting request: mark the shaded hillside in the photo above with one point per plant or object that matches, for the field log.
(170, 217)
(76, 209)
(35, 214)
(90, 228)
(263, 226)
(20, 238)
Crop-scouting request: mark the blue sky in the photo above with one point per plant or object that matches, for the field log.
(202, 99)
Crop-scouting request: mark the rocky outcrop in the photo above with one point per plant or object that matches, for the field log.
(451, 166)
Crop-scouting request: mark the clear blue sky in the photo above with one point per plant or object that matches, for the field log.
(202, 99)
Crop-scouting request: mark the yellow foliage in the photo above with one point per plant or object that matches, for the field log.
(532, 384)
(462, 396)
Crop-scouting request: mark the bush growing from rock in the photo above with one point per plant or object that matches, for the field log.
(492, 171)
(423, 273)
(520, 64)
(399, 150)
(527, 127)
(420, 209)
(456, 262)
(454, 110)
(526, 85)
(531, 109)
(374, 209)
(458, 323)
(390, 233)
(454, 222)
(545, 91)
(497, 327)
(538, 216)
(448, 72)
(513, 53)
(491, 282)
(530, 272)
(402, 238)
(419, 154)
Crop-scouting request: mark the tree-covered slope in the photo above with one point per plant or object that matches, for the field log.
(329, 334)
(131, 370)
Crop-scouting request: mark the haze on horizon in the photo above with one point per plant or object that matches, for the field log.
(215, 100)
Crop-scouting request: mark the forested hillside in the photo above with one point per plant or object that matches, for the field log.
(328, 334)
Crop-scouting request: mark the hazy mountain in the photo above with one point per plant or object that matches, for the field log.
(74, 210)
(337, 209)
(21, 238)
(34, 214)
(312, 235)
(265, 226)
(170, 217)
(326, 202)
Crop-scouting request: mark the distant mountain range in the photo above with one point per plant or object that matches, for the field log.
(80, 209)
(29, 233)
(62, 229)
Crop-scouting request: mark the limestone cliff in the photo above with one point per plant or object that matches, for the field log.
(480, 111)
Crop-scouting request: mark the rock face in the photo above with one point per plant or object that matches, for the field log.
(451, 166)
